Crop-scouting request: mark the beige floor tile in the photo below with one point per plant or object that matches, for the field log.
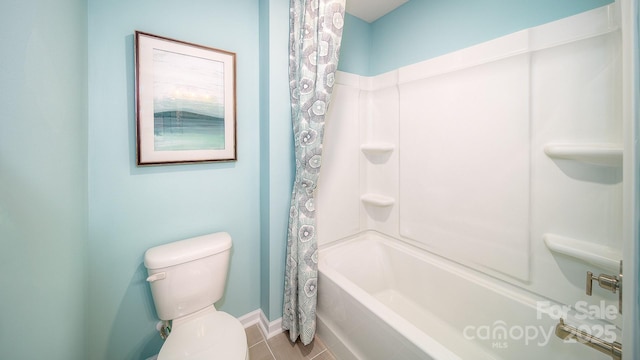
(325, 355)
(260, 352)
(283, 349)
(318, 343)
(254, 335)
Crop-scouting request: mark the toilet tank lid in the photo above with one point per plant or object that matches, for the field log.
(183, 251)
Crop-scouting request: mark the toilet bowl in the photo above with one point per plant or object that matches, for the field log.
(186, 278)
(208, 334)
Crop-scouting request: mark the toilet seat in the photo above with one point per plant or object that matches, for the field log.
(206, 335)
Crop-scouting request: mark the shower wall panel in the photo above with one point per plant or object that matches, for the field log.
(381, 161)
(338, 198)
(504, 157)
(576, 99)
(464, 164)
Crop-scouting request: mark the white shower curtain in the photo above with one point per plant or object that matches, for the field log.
(314, 46)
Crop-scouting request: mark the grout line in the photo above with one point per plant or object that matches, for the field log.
(318, 354)
(264, 339)
(270, 351)
(273, 356)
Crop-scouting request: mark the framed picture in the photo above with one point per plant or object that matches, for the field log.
(185, 102)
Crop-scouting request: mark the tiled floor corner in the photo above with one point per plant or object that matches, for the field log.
(280, 348)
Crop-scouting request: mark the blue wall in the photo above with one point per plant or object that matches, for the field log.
(355, 51)
(74, 226)
(423, 29)
(134, 208)
(276, 152)
(43, 179)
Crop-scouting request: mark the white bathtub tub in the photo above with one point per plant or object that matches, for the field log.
(382, 299)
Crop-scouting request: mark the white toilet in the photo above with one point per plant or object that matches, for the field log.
(186, 278)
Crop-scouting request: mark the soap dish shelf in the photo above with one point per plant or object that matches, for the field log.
(599, 255)
(377, 148)
(377, 200)
(603, 154)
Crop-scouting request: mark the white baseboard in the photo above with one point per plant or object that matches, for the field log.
(269, 329)
(251, 318)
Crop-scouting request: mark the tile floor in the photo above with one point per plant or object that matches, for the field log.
(280, 348)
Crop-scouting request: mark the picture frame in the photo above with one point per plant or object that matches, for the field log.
(185, 102)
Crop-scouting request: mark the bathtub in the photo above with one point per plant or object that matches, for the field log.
(380, 298)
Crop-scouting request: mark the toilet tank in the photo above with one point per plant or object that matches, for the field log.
(188, 275)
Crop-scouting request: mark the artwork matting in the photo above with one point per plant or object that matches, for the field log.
(185, 102)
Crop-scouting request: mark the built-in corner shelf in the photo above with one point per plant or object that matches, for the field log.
(377, 200)
(377, 148)
(599, 255)
(595, 154)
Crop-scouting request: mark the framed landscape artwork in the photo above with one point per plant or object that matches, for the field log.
(185, 102)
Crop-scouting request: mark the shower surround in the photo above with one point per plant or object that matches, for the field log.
(496, 171)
